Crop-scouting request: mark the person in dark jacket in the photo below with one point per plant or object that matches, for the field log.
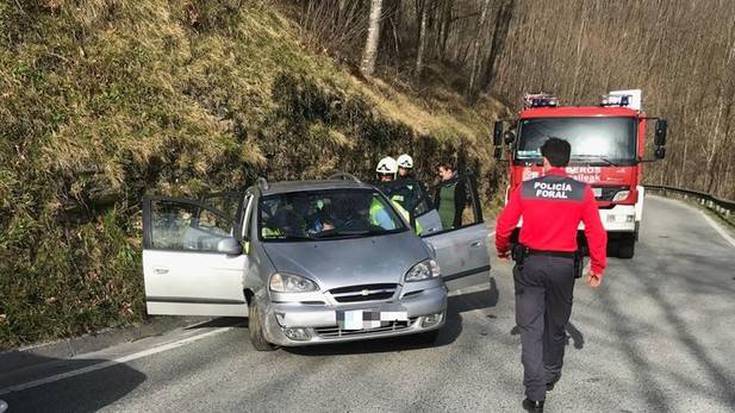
(450, 197)
(409, 191)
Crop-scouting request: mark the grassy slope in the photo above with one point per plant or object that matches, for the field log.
(109, 100)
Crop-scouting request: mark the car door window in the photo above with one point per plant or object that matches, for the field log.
(186, 225)
(457, 205)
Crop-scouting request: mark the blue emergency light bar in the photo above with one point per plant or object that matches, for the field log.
(538, 100)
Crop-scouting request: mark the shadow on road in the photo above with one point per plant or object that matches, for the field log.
(237, 322)
(572, 332)
(94, 389)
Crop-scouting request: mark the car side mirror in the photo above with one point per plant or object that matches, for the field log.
(229, 246)
(509, 137)
(498, 133)
(661, 129)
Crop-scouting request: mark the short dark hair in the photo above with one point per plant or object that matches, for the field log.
(446, 165)
(557, 151)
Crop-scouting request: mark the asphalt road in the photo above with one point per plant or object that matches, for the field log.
(659, 335)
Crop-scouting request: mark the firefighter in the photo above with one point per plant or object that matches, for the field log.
(450, 197)
(408, 191)
(547, 262)
(386, 170)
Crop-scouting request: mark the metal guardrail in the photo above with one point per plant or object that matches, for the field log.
(724, 207)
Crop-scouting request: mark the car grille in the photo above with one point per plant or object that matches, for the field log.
(336, 332)
(362, 293)
(608, 192)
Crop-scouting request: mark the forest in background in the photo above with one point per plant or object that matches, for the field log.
(681, 53)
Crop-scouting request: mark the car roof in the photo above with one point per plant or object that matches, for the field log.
(283, 187)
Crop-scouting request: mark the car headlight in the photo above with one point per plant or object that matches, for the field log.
(621, 195)
(291, 283)
(423, 271)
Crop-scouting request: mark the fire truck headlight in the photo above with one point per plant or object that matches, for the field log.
(621, 195)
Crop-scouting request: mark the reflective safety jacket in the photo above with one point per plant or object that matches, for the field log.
(381, 217)
(552, 206)
(409, 192)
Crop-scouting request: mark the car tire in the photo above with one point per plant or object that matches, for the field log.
(428, 338)
(626, 247)
(255, 328)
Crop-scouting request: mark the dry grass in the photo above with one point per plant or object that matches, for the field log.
(103, 101)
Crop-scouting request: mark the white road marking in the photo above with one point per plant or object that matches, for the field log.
(718, 228)
(110, 363)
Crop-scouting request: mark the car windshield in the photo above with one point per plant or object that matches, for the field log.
(328, 214)
(595, 141)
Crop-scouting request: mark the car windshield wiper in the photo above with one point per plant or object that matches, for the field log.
(290, 238)
(341, 234)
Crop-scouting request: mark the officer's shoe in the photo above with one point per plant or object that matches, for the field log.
(533, 406)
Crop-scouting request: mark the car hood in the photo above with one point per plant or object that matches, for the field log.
(346, 262)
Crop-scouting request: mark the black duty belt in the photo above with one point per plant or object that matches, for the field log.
(563, 254)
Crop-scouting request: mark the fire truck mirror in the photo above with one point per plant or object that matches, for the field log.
(660, 152)
(498, 133)
(661, 127)
(509, 137)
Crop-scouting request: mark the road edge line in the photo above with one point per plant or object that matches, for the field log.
(110, 363)
(718, 228)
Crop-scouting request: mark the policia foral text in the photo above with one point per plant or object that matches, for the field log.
(547, 262)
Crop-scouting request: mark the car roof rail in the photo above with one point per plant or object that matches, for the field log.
(263, 184)
(345, 176)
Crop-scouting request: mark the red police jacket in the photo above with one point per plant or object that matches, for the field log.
(552, 206)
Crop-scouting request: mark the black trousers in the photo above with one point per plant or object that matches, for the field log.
(544, 288)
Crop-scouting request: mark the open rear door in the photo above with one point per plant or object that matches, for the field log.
(462, 242)
(185, 269)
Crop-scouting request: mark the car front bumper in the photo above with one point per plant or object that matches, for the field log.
(320, 321)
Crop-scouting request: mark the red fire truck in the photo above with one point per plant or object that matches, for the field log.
(607, 152)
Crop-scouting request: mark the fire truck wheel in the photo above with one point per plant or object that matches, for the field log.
(626, 246)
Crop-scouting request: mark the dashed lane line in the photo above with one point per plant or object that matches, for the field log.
(110, 363)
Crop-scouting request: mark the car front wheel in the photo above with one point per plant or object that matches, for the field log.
(255, 327)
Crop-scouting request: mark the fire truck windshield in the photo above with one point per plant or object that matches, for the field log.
(595, 141)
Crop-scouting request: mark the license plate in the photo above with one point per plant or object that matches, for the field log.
(597, 192)
(366, 319)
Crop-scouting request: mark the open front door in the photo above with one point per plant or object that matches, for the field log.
(462, 241)
(191, 262)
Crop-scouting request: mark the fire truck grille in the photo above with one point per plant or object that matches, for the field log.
(607, 193)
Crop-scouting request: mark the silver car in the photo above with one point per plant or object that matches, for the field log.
(307, 262)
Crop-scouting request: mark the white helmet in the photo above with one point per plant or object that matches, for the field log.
(387, 165)
(405, 161)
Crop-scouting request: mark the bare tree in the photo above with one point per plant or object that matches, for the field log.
(475, 68)
(422, 40)
(370, 54)
(500, 32)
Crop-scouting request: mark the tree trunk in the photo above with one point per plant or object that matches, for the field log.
(421, 42)
(370, 54)
(445, 28)
(500, 33)
(471, 86)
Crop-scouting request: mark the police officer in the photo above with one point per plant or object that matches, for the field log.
(551, 206)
